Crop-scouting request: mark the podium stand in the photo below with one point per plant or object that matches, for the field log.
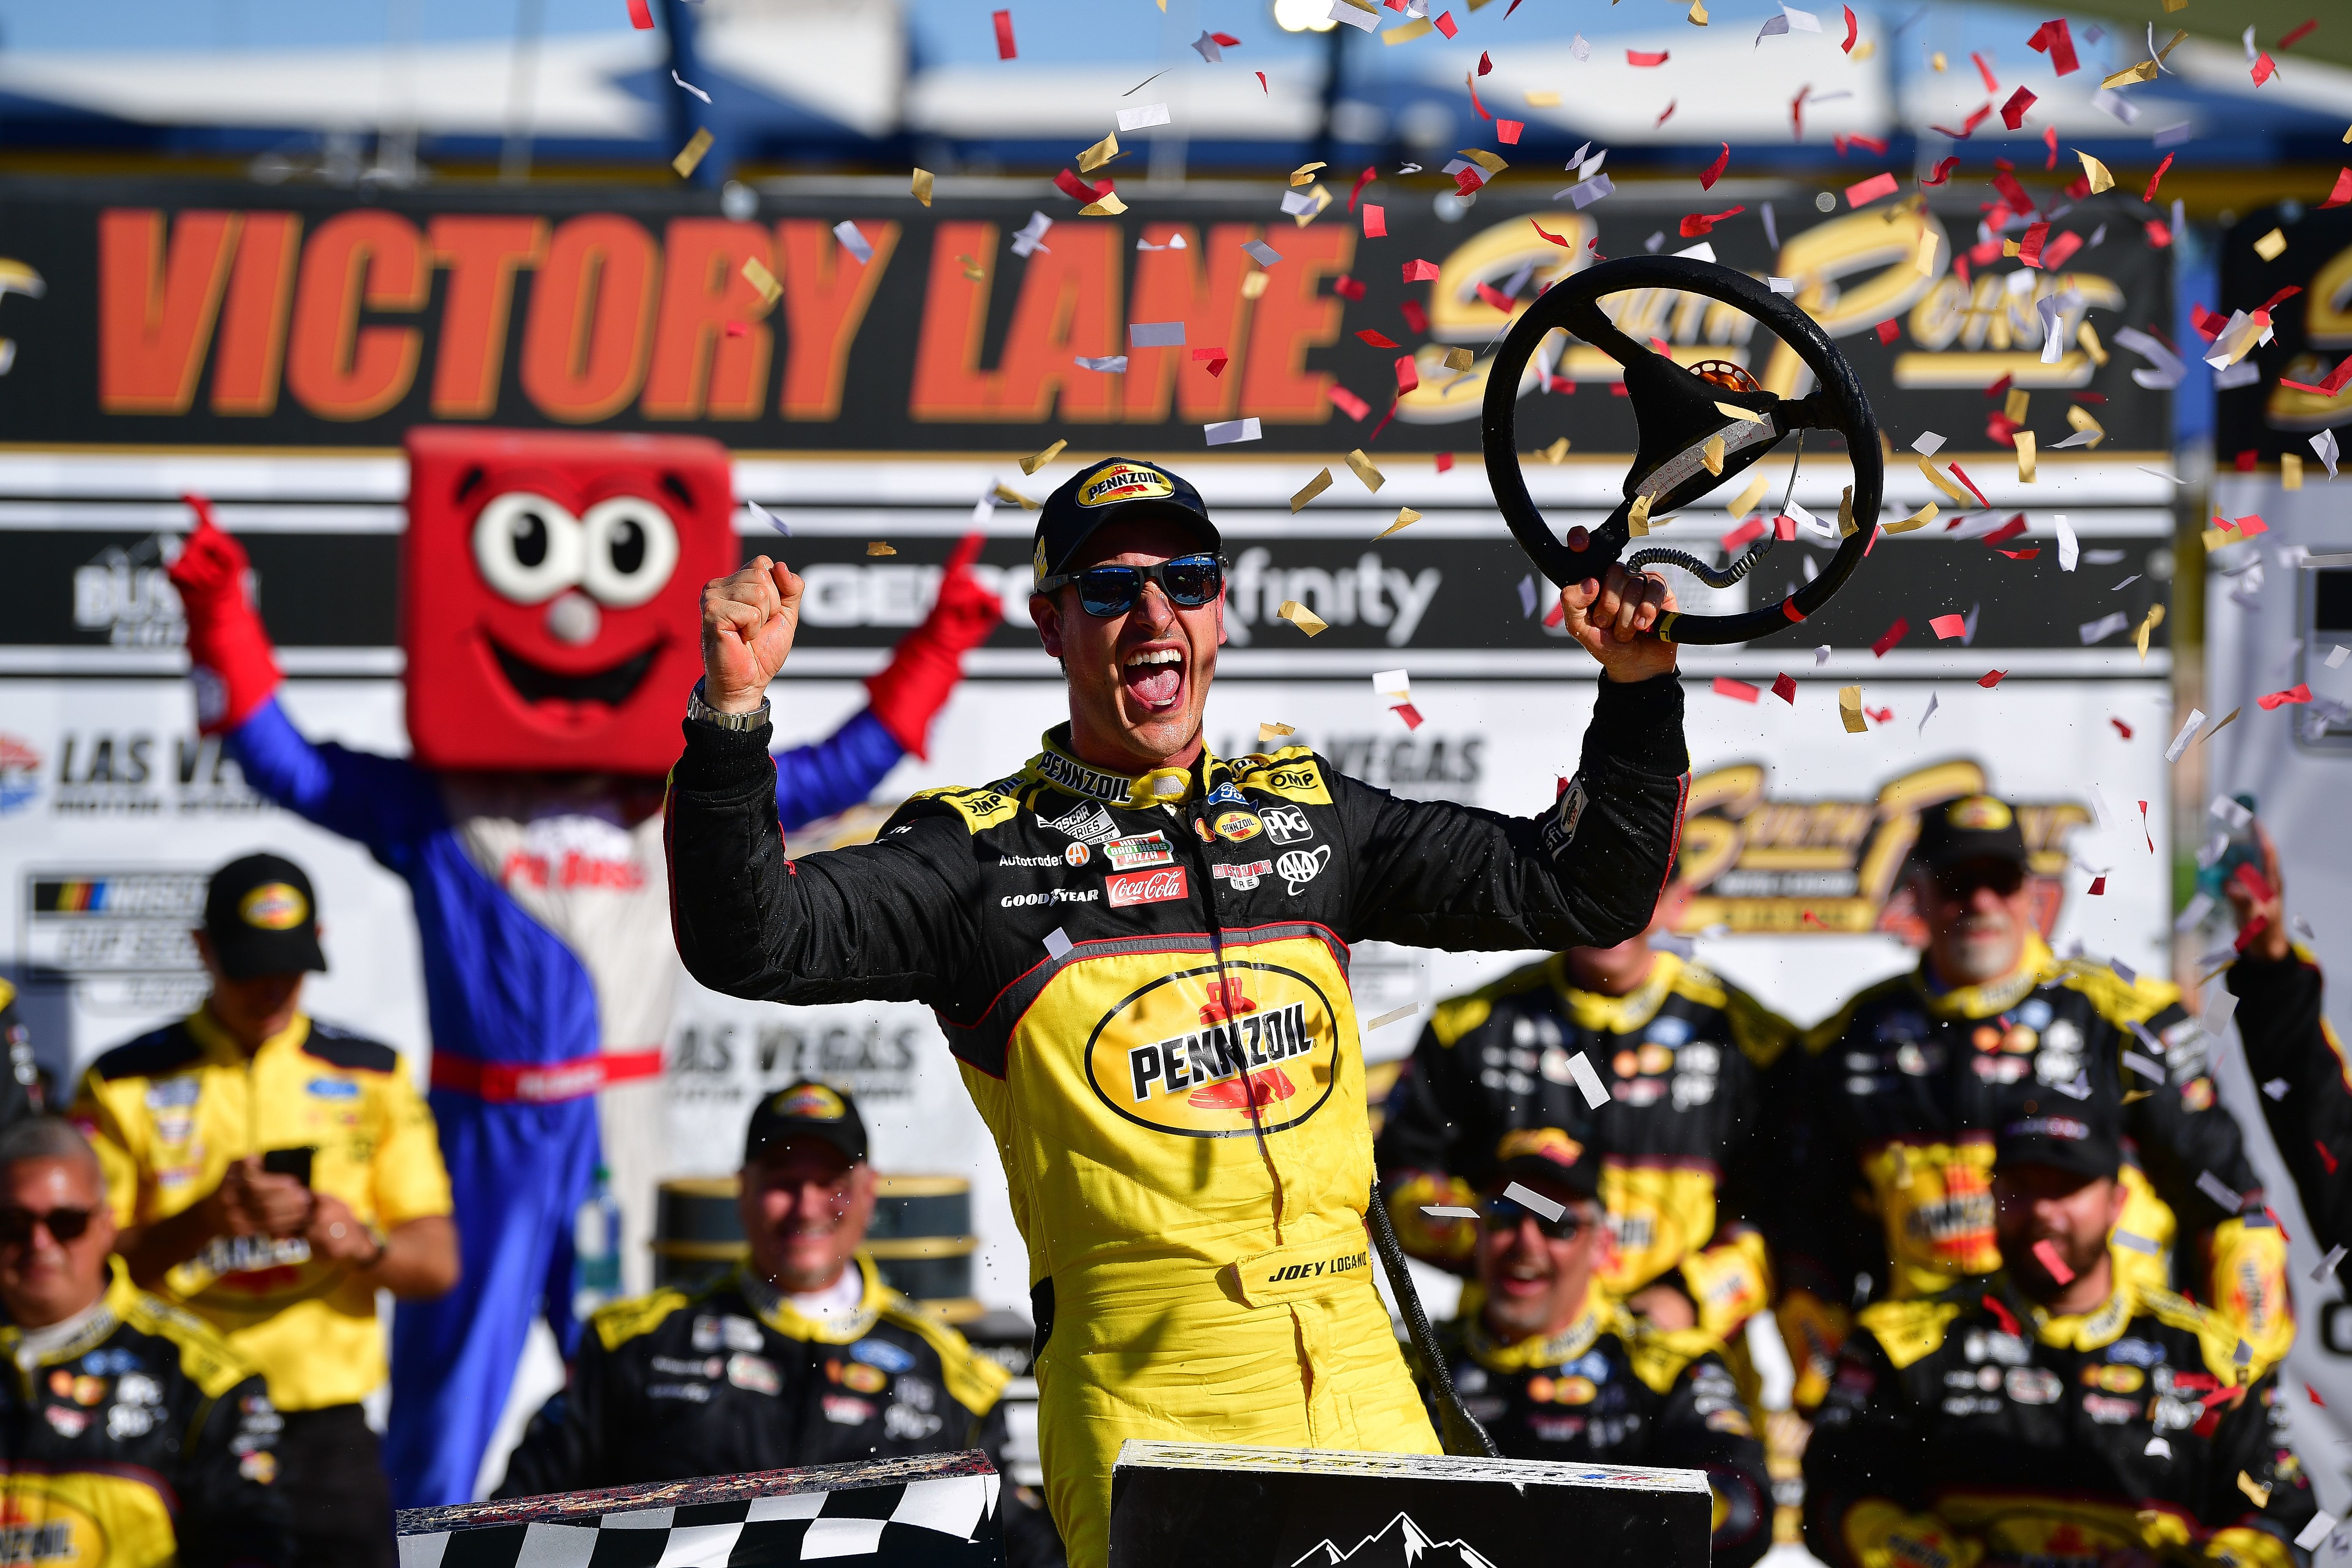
(938, 1512)
(1179, 1505)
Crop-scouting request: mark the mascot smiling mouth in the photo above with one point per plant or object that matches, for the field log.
(612, 686)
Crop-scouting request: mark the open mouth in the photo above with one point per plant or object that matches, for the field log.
(1154, 678)
(612, 686)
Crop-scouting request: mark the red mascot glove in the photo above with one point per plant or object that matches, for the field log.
(233, 669)
(928, 662)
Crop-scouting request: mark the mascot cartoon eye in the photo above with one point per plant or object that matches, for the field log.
(632, 549)
(529, 549)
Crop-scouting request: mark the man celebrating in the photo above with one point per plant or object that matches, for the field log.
(1556, 1369)
(1910, 1080)
(2058, 1412)
(803, 1356)
(1137, 951)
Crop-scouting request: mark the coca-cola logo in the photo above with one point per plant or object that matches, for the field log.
(1144, 887)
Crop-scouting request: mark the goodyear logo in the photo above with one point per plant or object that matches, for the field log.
(1115, 482)
(1202, 1057)
(274, 906)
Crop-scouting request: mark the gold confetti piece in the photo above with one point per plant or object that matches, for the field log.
(1254, 284)
(1925, 262)
(2178, 36)
(1748, 499)
(875, 547)
(1313, 488)
(1557, 453)
(1697, 17)
(1460, 359)
(1936, 478)
(1485, 160)
(1847, 527)
(2080, 418)
(2014, 404)
(1304, 173)
(1864, 50)
(1937, 60)
(2024, 439)
(2270, 245)
(2259, 1493)
(922, 186)
(1850, 709)
(2290, 472)
(1322, 199)
(1920, 519)
(2154, 619)
(1109, 206)
(1101, 153)
(2087, 335)
(1637, 521)
(2100, 179)
(2137, 1094)
(1406, 32)
(1267, 734)
(2172, 6)
(1298, 614)
(2221, 726)
(1031, 465)
(1712, 456)
(1736, 411)
(762, 281)
(690, 155)
(2009, 248)
(2144, 71)
(1406, 517)
(971, 270)
(1011, 496)
(1546, 99)
(1366, 470)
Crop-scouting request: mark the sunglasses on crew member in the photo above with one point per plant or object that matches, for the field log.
(1189, 581)
(1505, 1215)
(1957, 882)
(63, 1224)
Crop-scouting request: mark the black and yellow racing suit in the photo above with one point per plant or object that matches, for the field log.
(1907, 1086)
(142, 1441)
(1974, 1429)
(1685, 1060)
(1611, 1390)
(1144, 981)
(2292, 1051)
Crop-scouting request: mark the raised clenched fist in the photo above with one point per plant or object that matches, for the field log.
(749, 619)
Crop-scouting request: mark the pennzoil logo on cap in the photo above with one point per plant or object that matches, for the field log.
(1115, 482)
(1978, 814)
(274, 906)
(809, 1102)
(1543, 1142)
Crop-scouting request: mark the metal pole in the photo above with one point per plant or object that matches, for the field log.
(688, 113)
(523, 92)
(1327, 147)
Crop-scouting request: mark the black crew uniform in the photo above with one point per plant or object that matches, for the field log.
(1612, 1389)
(2306, 1088)
(731, 1378)
(1974, 1426)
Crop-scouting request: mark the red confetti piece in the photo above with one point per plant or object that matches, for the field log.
(2299, 34)
(2343, 191)
(1470, 83)
(1943, 172)
(2021, 554)
(2158, 178)
(1378, 340)
(2265, 69)
(2324, 1157)
(1714, 170)
(1738, 538)
(1665, 114)
(2209, 323)
(1696, 224)
(1497, 298)
(2050, 140)
(1643, 57)
(1962, 474)
(1852, 30)
(1887, 332)
(1796, 111)
(2010, 530)
(1381, 426)
(1376, 221)
(1445, 462)
(2098, 888)
(1215, 358)
(1785, 689)
(1445, 24)
(2054, 254)
(2004, 180)
(1077, 190)
(2298, 692)
(1261, 82)
(2046, 1254)
(2257, 886)
(1990, 678)
(2159, 234)
(1811, 918)
(1969, 126)
(1508, 131)
(641, 15)
(1549, 236)
(1409, 713)
(737, 329)
(1349, 404)
(1416, 317)
(2289, 292)
(2144, 832)
(1486, 61)
(1227, 39)
(1348, 287)
(1946, 627)
(2125, 731)
(2307, 1389)
(1985, 71)
(1005, 50)
(2012, 114)
(1861, 193)
(1739, 691)
(2329, 387)
(1366, 178)
(1557, 614)
(2053, 39)
(1407, 374)
(1891, 636)
(1417, 271)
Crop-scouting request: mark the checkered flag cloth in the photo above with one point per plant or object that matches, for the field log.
(938, 1511)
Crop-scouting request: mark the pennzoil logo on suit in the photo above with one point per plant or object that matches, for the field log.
(1177, 1056)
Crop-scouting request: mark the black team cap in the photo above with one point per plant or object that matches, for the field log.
(1973, 827)
(2061, 1142)
(1545, 1154)
(805, 1109)
(262, 917)
(1118, 489)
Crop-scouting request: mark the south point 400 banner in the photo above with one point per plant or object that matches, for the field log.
(244, 316)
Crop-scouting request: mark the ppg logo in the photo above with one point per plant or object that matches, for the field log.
(1285, 824)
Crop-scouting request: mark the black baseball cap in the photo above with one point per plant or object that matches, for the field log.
(2070, 1144)
(1546, 1155)
(1118, 490)
(1973, 827)
(805, 1109)
(262, 917)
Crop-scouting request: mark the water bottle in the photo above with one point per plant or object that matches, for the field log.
(596, 1248)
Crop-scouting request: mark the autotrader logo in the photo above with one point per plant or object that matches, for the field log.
(20, 773)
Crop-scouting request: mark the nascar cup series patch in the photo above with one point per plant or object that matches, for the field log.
(1116, 482)
(1201, 1056)
(274, 906)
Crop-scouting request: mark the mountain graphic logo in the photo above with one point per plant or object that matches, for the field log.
(1399, 1543)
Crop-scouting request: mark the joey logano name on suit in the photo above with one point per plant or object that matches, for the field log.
(1220, 1052)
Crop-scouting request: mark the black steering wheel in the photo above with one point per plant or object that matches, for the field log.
(1676, 411)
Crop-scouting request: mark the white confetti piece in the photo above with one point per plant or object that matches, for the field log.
(1703, 251)
(770, 518)
(2243, 1355)
(2327, 1264)
(1579, 48)
(2070, 549)
(1534, 1201)
(1526, 597)
(1447, 1211)
(852, 242)
(2105, 626)
(1393, 1014)
(1265, 253)
(1155, 334)
(2124, 972)
(690, 87)
(2324, 445)
(1226, 432)
(2189, 728)
(2224, 1197)
(1209, 49)
(1057, 945)
(1393, 684)
(2336, 659)
(1148, 115)
(2169, 366)
(1781, 285)
(1110, 364)
(1175, 242)
(2317, 1530)
(2157, 1448)
(1584, 193)
(1596, 1094)
(1031, 235)
(2160, 473)
(1929, 443)
(2228, 809)
(1932, 703)
(1821, 656)
(2276, 1089)
(2144, 1068)
(1362, 21)
(2135, 1243)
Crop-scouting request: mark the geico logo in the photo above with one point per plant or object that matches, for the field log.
(894, 594)
(1221, 1052)
(1050, 896)
(1316, 1270)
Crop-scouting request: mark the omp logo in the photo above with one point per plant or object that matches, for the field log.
(1204, 1056)
(1299, 781)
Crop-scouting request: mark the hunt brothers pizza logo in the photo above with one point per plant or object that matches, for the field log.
(1204, 1056)
(1836, 866)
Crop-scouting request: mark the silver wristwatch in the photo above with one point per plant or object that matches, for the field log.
(695, 708)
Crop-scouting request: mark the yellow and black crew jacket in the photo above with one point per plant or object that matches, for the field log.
(140, 1441)
(1906, 1087)
(1686, 1060)
(730, 1377)
(1611, 1390)
(2293, 1052)
(1974, 1428)
(1144, 980)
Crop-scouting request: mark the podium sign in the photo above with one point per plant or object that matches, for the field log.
(1177, 1505)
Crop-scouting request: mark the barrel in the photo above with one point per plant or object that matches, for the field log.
(920, 1237)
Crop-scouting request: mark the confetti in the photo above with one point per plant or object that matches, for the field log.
(1932, 703)
(2259, 1493)
(2046, 1254)
(1030, 465)
(1850, 709)
(2321, 1522)
(1011, 496)
(1155, 334)
(875, 547)
(1406, 517)
(1143, 117)
(852, 242)
(1095, 156)
(690, 87)
(1596, 1096)
(1299, 616)
(1366, 470)
(2327, 1264)
(2024, 441)
(1929, 443)
(1005, 50)
(1528, 596)
(1990, 678)
(2212, 1186)
(771, 519)
(1310, 489)
(1890, 637)
(1057, 945)
(1528, 1198)
(1865, 192)
(922, 186)
(1435, 1211)
(2271, 245)
(1748, 499)
(2298, 692)
(690, 157)
(1260, 251)
(1031, 234)
(641, 15)
(1739, 691)
(1108, 364)
(1410, 714)
(1645, 59)
(762, 281)
(1376, 221)
(1948, 626)
(1226, 432)
(1419, 271)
